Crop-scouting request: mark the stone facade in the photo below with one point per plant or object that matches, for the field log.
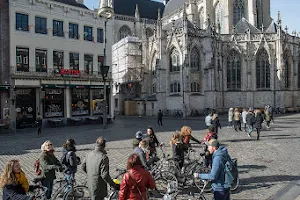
(4, 60)
(219, 54)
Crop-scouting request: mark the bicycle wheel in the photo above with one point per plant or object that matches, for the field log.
(235, 184)
(78, 193)
(199, 183)
(59, 189)
(164, 180)
(201, 197)
(114, 195)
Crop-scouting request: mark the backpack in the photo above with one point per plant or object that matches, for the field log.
(231, 171)
(63, 159)
(37, 167)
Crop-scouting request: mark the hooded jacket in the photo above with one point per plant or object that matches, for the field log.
(70, 160)
(217, 173)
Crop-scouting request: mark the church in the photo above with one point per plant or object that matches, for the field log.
(205, 54)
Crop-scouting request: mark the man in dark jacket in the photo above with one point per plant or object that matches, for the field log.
(257, 123)
(96, 165)
(217, 173)
(159, 118)
(250, 118)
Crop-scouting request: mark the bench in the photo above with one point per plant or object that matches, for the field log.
(55, 122)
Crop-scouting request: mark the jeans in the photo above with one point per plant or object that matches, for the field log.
(268, 124)
(258, 132)
(250, 129)
(222, 195)
(159, 121)
(49, 185)
(230, 124)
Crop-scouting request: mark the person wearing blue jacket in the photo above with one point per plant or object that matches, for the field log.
(217, 174)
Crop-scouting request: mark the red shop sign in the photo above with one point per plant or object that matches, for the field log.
(69, 72)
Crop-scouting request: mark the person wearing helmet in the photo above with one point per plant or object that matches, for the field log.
(138, 137)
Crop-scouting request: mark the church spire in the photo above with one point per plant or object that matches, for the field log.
(137, 13)
(158, 14)
(279, 19)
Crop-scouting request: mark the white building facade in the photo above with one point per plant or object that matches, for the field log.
(57, 48)
(216, 54)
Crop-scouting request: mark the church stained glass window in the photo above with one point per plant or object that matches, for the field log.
(262, 70)
(174, 61)
(234, 71)
(238, 11)
(195, 59)
(287, 69)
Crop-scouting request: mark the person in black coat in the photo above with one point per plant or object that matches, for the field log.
(250, 119)
(153, 141)
(215, 122)
(69, 159)
(159, 118)
(257, 123)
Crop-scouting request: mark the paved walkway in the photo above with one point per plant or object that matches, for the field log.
(266, 166)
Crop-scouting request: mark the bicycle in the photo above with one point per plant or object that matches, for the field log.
(39, 192)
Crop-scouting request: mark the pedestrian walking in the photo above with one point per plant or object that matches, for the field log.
(208, 119)
(257, 123)
(271, 113)
(159, 118)
(215, 122)
(217, 175)
(250, 119)
(267, 117)
(237, 119)
(96, 166)
(230, 118)
(48, 165)
(39, 124)
(135, 181)
(244, 116)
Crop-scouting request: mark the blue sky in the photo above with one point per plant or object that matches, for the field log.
(289, 9)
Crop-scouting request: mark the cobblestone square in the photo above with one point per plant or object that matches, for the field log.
(266, 166)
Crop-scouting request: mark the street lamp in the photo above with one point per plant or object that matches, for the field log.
(106, 12)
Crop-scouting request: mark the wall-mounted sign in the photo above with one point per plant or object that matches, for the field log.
(68, 72)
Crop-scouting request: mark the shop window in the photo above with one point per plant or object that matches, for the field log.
(73, 31)
(54, 103)
(98, 104)
(58, 60)
(88, 33)
(116, 103)
(74, 61)
(22, 59)
(58, 28)
(25, 107)
(41, 60)
(22, 22)
(40, 25)
(88, 64)
(80, 101)
(99, 35)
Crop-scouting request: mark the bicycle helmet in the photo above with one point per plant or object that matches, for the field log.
(139, 135)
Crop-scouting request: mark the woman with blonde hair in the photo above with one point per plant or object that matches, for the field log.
(48, 164)
(14, 182)
(186, 133)
(177, 148)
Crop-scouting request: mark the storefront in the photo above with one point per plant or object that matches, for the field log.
(25, 107)
(98, 101)
(54, 103)
(80, 101)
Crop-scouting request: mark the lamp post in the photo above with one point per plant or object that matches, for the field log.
(106, 12)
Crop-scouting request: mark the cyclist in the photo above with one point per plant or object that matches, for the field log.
(177, 148)
(69, 159)
(186, 136)
(138, 137)
(14, 182)
(153, 142)
(208, 136)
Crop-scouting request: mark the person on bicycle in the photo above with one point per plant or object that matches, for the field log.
(177, 149)
(143, 151)
(14, 182)
(96, 166)
(48, 164)
(69, 159)
(136, 180)
(138, 137)
(153, 142)
(217, 174)
(208, 136)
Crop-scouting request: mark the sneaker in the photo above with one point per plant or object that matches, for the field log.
(248, 135)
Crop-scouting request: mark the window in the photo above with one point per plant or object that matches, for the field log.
(149, 32)
(233, 71)
(195, 87)
(88, 33)
(195, 59)
(58, 28)
(174, 61)
(262, 70)
(124, 32)
(73, 31)
(175, 87)
(80, 101)
(238, 11)
(99, 35)
(41, 60)
(287, 69)
(58, 60)
(116, 103)
(40, 25)
(88, 63)
(74, 61)
(22, 22)
(153, 88)
(22, 59)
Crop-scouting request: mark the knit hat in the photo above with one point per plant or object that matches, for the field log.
(139, 135)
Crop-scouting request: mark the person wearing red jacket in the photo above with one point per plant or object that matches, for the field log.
(135, 181)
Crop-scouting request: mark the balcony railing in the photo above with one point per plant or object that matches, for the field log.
(55, 73)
